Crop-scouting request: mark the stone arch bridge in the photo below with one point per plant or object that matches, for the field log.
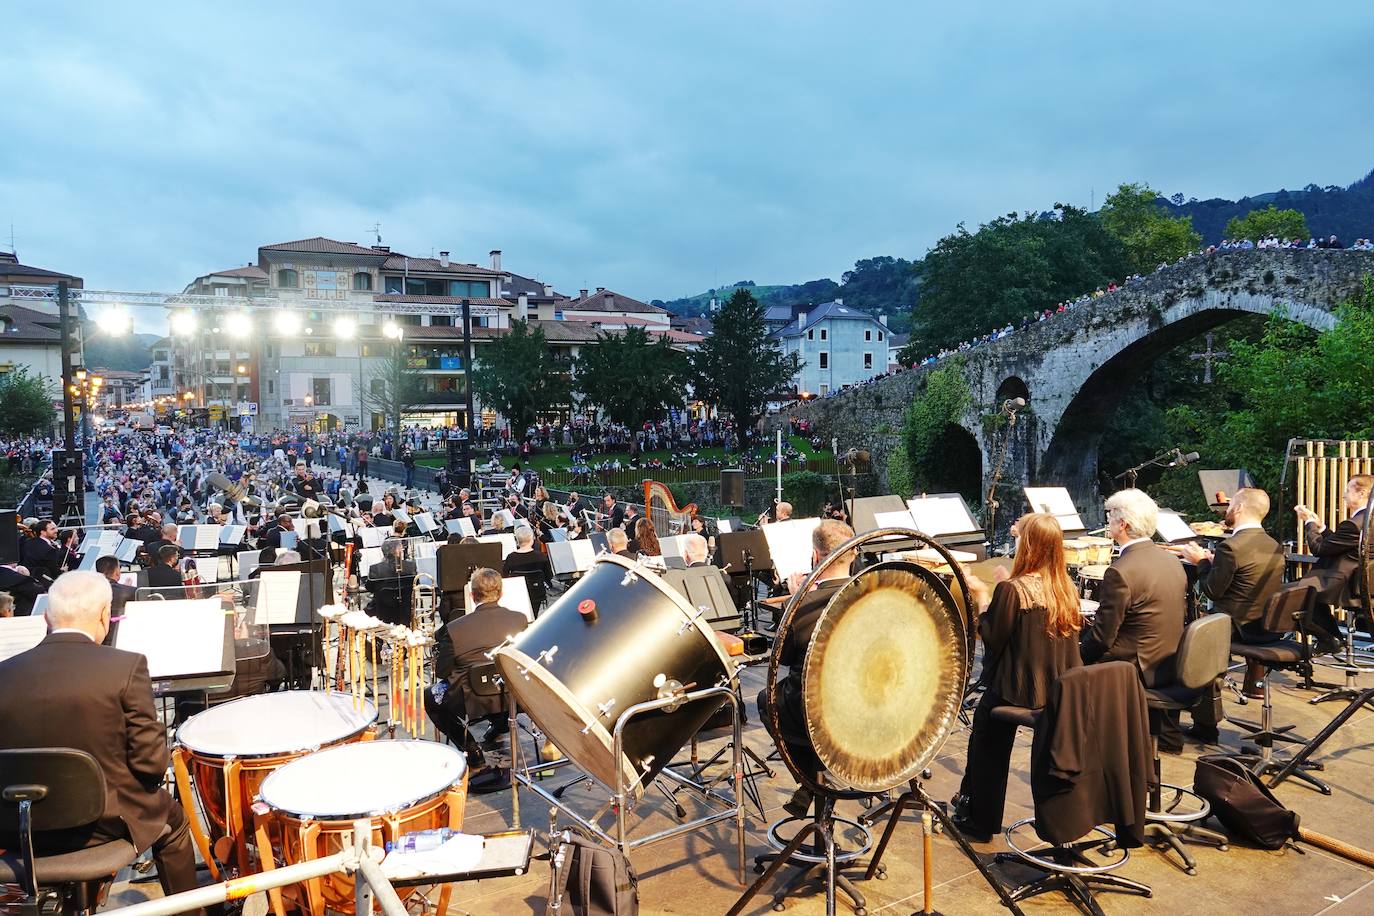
(1074, 368)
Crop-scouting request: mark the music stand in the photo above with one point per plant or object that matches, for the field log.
(457, 563)
(746, 551)
(1223, 484)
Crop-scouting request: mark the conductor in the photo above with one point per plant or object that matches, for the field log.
(106, 709)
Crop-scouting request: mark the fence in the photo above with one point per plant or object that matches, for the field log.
(563, 478)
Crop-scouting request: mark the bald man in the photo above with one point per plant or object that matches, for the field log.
(71, 691)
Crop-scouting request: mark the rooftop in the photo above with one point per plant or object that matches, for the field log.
(22, 325)
(828, 311)
(607, 300)
(321, 245)
(10, 267)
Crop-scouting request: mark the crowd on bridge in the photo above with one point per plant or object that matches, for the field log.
(1273, 241)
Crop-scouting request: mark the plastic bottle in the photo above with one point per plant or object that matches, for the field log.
(421, 841)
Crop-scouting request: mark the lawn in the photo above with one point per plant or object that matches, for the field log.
(561, 459)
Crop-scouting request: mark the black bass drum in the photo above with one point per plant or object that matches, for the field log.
(616, 638)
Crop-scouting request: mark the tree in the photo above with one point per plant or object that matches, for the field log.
(1151, 236)
(632, 377)
(520, 377)
(395, 391)
(882, 286)
(972, 282)
(28, 401)
(1259, 224)
(739, 366)
(940, 405)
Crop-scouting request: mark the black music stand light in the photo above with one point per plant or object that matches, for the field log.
(745, 553)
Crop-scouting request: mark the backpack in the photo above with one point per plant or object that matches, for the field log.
(1243, 804)
(590, 879)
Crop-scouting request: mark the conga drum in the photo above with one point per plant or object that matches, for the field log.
(310, 804)
(1090, 581)
(618, 637)
(231, 748)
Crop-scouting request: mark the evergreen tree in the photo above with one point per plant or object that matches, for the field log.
(520, 377)
(631, 377)
(28, 401)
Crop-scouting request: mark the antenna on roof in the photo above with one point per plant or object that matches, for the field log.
(13, 250)
(377, 231)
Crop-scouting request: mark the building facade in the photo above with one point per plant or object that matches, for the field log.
(838, 346)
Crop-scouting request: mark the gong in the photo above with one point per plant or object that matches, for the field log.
(884, 675)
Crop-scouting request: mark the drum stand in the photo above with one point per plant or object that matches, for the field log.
(622, 797)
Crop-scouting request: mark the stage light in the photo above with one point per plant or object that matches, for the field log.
(393, 330)
(115, 322)
(345, 328)
(288, 324)
(239, 324)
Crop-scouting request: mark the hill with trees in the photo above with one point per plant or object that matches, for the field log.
(1345, 212)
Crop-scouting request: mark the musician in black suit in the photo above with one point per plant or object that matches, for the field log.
(1337, 552)
(164, 572)
(827, 536)
(1142, 601)
(40, 554)
(695, 551)
(392, 583)
(530, 563)
(619, 542)
(15, 580)
(612, 513)
(1239, 576)
(71, 691)
(461, 646)
(120, 594)
(168, 536)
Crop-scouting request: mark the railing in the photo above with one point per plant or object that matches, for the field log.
(626, 476)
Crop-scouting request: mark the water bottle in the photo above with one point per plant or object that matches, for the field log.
(421, 841)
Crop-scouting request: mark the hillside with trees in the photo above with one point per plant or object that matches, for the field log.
(1346, 212)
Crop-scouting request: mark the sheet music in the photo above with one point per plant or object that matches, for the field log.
(507, 542)
(232, 535)
(289, 540)
(88, 560)
(558, 534)
(372, 537)
(672, 546)
(425, 522)
(20, 634)
(100, 542)
(427, 566)
(506, 516)
(1173, 529)
(423, 549)
(278, 594)
(400, 514)
(208, 570)
(306, 528)
(247, 562)
(789, 544)
(340, 526)
(460, 526)
(127, 551)
(723, 526)
(179, 638)
(515, 595)
(895, 520)
(571, 556)
(369, 557)
(129, 578)
(199, 537)
(1057, 502)
(939, 515)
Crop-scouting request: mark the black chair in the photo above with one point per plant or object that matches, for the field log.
(1282, 614)
(1065, 868)
(810, 861)
(1203, 656)
(45, 790)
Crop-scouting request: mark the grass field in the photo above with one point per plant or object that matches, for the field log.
(561, 459)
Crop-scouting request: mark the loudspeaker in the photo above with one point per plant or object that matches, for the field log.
(66, 464)
(459, 463)
(732, 487)
(9, 536)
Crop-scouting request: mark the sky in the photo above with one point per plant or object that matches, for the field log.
(658, 148)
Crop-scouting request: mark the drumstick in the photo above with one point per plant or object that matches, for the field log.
(372, 643)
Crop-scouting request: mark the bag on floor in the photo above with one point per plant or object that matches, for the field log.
(590, 879)
(1243, 804)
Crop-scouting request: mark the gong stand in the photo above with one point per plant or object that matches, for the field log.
(622, 795)
(821, 830)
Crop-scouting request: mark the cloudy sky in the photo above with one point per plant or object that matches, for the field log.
(654, 147)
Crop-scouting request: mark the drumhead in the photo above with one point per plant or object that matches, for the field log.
(1092, 572)
(884, 676)
(365, 779)
(270, 724)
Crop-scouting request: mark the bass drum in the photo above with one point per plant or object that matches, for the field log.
(884, 676)
(618, 637)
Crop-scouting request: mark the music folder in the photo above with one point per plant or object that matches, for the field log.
(1172, 529)
(232, 535)
(460, 526)
(569, 557)
(198, 537)
(425, 522)
(457, 561)
(1056, 501)
(179, 638)
(127, 550)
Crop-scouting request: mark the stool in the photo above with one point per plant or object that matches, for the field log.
(823, 824)
(1067, 869)
(1284, 654)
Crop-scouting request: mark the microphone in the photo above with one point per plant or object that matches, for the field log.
(1182, 460)
(1011, 405)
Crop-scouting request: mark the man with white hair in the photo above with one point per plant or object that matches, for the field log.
(619, 542)
(695, 550)
(71, 691)
(1142, 601)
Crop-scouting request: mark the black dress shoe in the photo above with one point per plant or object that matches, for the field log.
(492, 779)
(970, 832)
(1203, 733)
(1327, 645)
(1171, 750)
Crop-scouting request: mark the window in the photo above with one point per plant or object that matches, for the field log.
(362, 280)
(880, 337)
(810, 335)
(221, 367)
(472, 289)
(825, 389)
(221, 290)
(271, 387)
(557, 314)
(393, 285)
(868, 360)
(868, 334)
(319, 387)
(288, 279)
(822, 333)
(441, 321)
(320, 348)
(825, 360)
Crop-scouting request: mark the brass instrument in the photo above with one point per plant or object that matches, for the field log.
(424, 604)
(1323, 469)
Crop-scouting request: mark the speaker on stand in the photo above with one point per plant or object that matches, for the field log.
(732, 487)
(459, 464)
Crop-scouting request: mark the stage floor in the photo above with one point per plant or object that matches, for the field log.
(695, 874)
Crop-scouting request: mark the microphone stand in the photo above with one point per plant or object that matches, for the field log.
(1130, 474)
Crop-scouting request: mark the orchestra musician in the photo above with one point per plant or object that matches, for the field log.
(40, 553)
(1029, 627)
(392, 582)
(619, 542)
(647, 539)
(1239, 576)
(532, 564)
(16, 580)
(1142, 602)
(695, 551)
(120, 594)
(827, 536)
(106, 706)
(612, 513)
(383, 517)
(461, 646)
(1337, 551)
(164, 573)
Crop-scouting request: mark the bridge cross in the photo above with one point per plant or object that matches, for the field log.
(1207, 356)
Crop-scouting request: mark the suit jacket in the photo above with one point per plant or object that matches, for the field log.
(471, 637)
(1245, 570)
(1140, 618)
(24, 589)
(42, 557)
(534, 567)
(391, 592)
(69, 692)
(163, 576)
(120, 595)
(617, 517)
(1337, 553)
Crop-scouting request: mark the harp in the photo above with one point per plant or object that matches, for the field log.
(661, 509)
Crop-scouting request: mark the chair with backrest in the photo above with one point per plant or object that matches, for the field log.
(1283, 613)
(47, 791)
(1176, 813)
(1065, 867)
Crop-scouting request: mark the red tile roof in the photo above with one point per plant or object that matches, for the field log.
(321, 245)
(598, 302)
(251, 272)
(397, 261)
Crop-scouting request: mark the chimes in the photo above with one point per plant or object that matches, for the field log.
(363, 645)
(1323, 469)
